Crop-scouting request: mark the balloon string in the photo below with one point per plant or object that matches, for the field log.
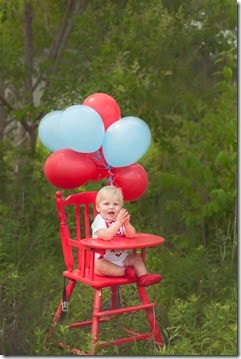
(110, 177)
(98, 158)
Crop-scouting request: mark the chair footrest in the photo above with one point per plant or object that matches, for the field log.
(138, 336)
(125, 310)
(87, 322)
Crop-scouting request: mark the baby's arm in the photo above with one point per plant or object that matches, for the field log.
(129, 229)
(108, 233)
(123, 219)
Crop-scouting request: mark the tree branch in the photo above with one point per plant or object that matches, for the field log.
(60, 41)
(28, 11)
(6, 103)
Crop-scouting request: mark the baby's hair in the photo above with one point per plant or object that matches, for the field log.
(109, 192)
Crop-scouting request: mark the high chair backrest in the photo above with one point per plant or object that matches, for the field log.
(75, 213)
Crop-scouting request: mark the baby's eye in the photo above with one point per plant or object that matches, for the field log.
(116, 204)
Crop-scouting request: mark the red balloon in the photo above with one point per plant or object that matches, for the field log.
(132, 179)
(67, 169)
(106, 107)
(99, 174)
(98, 158)
(102, 170)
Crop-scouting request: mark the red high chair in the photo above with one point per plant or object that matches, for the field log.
(80, 268)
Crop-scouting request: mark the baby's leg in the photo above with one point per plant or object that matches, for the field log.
(137, 263)
(144, 279)
(105, 267)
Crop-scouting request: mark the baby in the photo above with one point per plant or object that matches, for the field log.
(112, 221)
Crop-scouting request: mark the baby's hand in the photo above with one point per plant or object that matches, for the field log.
(127, 220)
(123, 216)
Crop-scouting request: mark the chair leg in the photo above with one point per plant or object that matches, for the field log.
(95, 319)
(150, 315)
(58, 317)
(69, 290)
(115, 297)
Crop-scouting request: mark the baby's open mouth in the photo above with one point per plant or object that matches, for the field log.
(111, 212)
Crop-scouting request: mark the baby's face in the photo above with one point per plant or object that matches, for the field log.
(109, 208)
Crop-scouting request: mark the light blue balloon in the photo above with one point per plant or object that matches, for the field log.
(49, 131)
(126, 141)
(82, 129)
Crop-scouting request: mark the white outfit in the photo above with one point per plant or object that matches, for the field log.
(116, 256)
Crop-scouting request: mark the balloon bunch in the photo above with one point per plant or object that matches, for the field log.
(91, 142)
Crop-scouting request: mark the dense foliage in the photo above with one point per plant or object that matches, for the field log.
(173, 64)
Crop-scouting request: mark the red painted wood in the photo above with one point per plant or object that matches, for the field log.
(75, 231)
(140, 240)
